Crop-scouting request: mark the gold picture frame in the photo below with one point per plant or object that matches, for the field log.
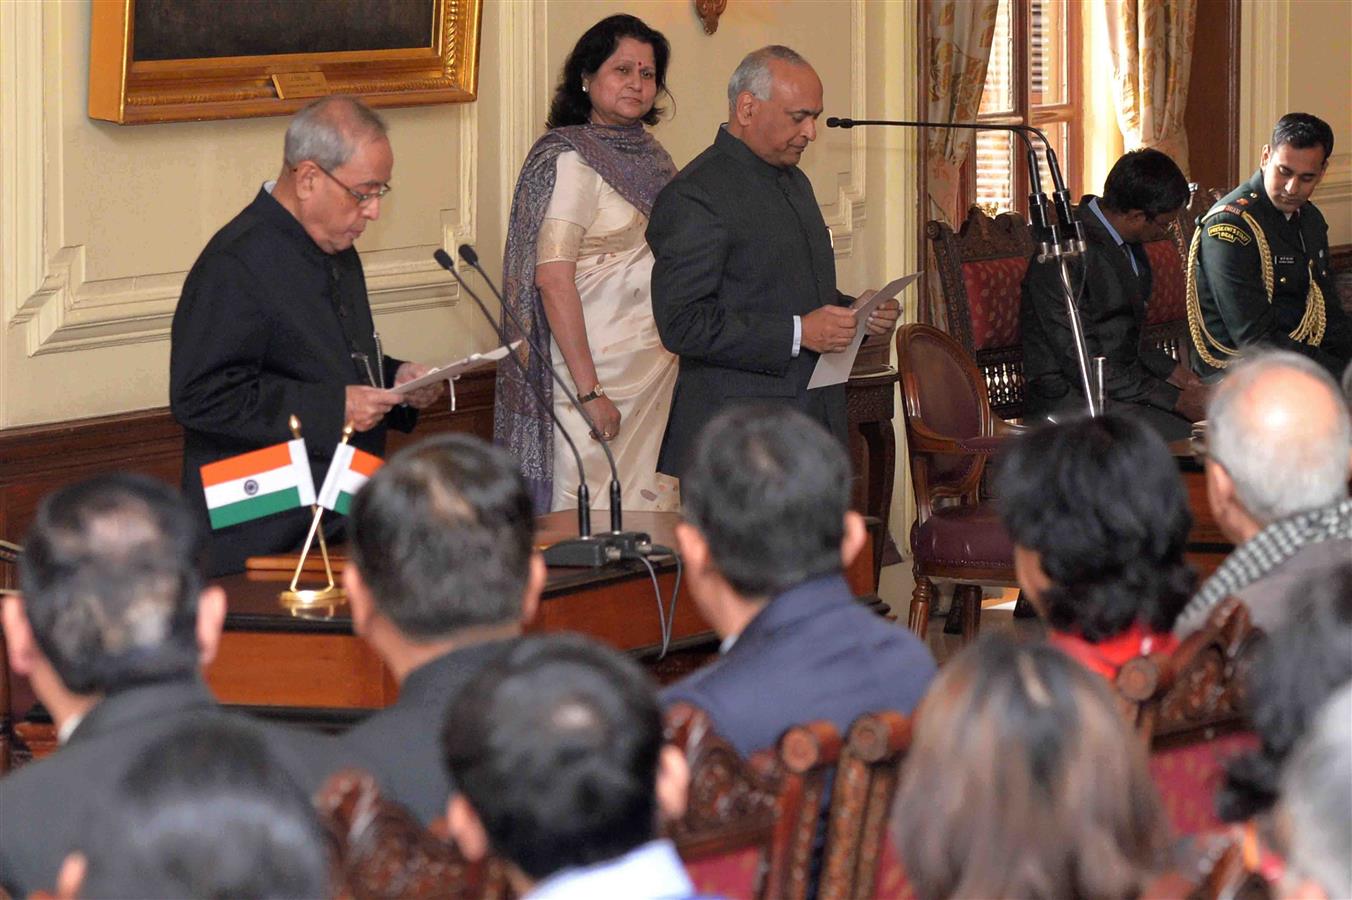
(387, 52)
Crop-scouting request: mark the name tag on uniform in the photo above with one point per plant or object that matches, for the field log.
(1231, 234)
(1284, 260)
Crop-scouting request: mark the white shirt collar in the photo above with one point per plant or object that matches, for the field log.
(650, 872)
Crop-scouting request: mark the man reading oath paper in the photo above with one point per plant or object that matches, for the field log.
(744, 280)
(274, 320)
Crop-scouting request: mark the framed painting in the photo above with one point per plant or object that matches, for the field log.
(188, 60)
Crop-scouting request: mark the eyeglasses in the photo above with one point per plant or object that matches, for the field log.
(362, 199)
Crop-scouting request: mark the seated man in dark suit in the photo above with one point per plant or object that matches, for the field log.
(112, 629)
(1142, 190)
(207, 811)
(556, 749)
(443, 569)
(767, 534)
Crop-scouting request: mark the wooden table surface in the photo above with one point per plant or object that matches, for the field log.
(270, 657)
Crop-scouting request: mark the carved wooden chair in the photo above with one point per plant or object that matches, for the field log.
(1189, 708)
(1166, 319)
(751, 823)
(383, 851)
(981, 270)
(950, 434)
(856, 862)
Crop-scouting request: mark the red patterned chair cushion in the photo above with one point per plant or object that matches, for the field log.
(993, 290)
(1168, 292)
(730, 875)
(1188, 777)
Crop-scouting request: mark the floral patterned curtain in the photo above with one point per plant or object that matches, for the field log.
(1151, 43)
(958, 46)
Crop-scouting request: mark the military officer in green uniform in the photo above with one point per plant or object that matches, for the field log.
(1258, 269)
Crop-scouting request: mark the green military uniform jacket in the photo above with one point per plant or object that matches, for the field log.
(1240, 295)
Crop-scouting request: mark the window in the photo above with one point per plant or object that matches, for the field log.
(1032, 79)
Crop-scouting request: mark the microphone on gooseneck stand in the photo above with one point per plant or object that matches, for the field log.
(1058, 243)
(587, 549)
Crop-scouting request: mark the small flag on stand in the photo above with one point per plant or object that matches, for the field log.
(257, 484)
(350, 469)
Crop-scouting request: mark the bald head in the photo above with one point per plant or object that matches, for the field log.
(1280, 428)
(328, 131)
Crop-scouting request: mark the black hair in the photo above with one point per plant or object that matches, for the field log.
(571, 105)
(111, 573)
(1302, 131)
(1101, 501)
(207, 811)
(768, 487)
(1301, 664)
(1148, 180)
(555, 745)
(442, 535)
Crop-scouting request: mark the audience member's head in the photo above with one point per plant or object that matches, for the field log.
(1099, 519)
(112, 589)
(557, 751)
(1044, 791)
(766, 506)
(1316, 805)
(1295, 672)
(205, 811)
(1279, 442)
(1147, 182)
(442, 546)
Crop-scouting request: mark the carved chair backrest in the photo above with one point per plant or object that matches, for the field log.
(770, 802)
(383, 851)
(981, 270)
(1166, 323)
(861, 803)
(1197, 691)
(944, 396)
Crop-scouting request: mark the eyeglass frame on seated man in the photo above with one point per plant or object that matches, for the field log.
(362, 199)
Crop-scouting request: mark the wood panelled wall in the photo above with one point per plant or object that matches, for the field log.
(1212, 116)
(38, 459)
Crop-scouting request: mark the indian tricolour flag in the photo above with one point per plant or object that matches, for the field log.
(349, 470)
(259, 483)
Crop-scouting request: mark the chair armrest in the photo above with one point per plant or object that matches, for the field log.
(983, 443)
(1011, 429)
(920, 439)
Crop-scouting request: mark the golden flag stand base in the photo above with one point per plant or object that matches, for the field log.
(312, 602)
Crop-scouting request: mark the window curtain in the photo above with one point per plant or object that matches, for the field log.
(1151, 47)
(958, 46)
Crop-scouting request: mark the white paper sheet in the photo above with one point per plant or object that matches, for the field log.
(456, 369)
(834, 368)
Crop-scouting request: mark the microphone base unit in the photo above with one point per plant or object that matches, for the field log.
(597, 550)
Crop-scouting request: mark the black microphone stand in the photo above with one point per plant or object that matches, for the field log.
(1060, 241)
(587, 550)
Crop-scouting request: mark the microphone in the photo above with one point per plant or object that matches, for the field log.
(1052, 245)
(1038, 209)
(587, 550)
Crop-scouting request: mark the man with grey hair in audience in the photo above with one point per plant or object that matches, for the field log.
(1315, 809)
(274, 320)
(1279, 456)
(744, 278)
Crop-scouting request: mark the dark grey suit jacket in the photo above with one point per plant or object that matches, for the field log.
(401, 745)
(812, 653)
(739, 249)
(45, 806)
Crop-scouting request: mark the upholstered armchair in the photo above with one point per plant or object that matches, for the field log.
(950, 435)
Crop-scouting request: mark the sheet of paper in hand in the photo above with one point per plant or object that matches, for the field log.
(460, 367)
(834, 368)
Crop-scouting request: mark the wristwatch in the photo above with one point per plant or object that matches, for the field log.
(591, 395)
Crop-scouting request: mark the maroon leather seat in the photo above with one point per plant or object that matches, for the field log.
(963, 535)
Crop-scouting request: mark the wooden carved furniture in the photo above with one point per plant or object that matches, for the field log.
(384, 853)
(950, 434)
(750, 825)
(861, 806)
(981, 269)
(1189, 708)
